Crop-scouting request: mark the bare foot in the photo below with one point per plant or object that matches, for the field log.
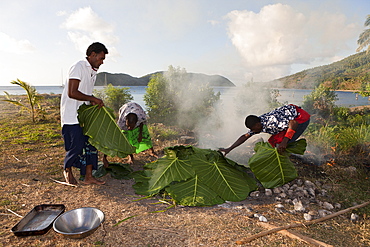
(130, 159)
(92, 180)
(68, 175)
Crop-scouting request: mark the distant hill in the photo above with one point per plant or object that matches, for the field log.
(350, 73)
(105, 78)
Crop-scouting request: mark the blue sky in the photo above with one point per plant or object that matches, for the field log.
(242, 40)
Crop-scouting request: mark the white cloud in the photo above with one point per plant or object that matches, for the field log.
(85, 27)
(278, 36)
(12, 45)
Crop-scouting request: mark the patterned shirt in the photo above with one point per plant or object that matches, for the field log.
(277, 120)
(131, 107)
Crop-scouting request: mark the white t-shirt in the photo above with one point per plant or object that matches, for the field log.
(82, 71)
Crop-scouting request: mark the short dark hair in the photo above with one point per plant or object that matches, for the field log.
(131, 118)
(97, 48)
(251, 120)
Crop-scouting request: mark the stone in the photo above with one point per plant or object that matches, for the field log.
(255, 194)
(307, 217)
(277, 190)
(298, 206)
(354, 217)
(328, 206)
(309, 184)
(268, 192)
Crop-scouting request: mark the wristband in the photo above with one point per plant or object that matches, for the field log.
(290, 133)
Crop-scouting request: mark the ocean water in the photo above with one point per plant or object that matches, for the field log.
(292, 96)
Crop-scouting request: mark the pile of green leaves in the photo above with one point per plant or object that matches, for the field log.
(104, 134)
(195, 177)
(204, 177)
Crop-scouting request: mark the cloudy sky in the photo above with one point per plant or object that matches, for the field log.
(242, 40)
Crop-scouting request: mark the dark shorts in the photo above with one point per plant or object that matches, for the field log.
(79, 152)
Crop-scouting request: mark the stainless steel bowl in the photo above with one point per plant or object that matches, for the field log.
(79, 223)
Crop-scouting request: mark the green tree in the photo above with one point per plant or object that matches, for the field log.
(364, 39)
(33, 99)
(159, 101)
(114, 97)
(320, 101)
(174, 98)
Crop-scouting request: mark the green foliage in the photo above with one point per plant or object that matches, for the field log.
(347, 74)
(116, 170)
(172, 98)
(33, 99)
(320, 101)
(104, 134)
(194, 177)
(353, 138)
(114, 97)
(273, 169)
(364, 39)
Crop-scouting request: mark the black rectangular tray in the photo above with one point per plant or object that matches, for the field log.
(39, 220)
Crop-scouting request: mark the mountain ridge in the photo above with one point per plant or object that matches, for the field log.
(121, 79)
(350, 73)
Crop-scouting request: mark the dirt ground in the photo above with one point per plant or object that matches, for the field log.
(26, 170)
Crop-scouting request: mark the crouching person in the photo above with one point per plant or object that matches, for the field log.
(132, 121)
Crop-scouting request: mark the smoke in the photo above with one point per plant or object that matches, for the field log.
(226, 123)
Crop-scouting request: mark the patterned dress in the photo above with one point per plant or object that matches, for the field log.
(133, 135)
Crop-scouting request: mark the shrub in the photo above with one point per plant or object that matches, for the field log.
(172, 98)
(114, 97)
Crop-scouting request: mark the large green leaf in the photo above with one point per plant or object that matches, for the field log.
(271, 168)
(228, 182)
(194, 177)
(104, 134)
(167, 170)
(193, 193)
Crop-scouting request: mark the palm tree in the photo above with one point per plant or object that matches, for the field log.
(364, 39)
(32, 97)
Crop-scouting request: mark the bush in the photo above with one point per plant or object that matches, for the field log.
(114, 97)
(320, 101)
(171, 98)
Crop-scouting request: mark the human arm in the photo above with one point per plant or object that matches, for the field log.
(292, 125)
(74, 93)
(140, 138)
(237, 143)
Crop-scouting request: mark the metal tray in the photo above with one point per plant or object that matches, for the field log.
(39, 220)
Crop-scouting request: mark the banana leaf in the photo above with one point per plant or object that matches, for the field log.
(194, 177)
(273, 169)
(104, 134)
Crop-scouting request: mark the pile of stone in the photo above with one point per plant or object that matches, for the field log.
(299, 196)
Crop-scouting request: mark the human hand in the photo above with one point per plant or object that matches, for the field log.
(282, 146)
(224, 150)
(97, 101)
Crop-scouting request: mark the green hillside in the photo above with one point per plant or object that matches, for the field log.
(105, 78)
(350, 73)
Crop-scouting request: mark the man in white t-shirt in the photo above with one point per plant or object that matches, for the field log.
(78, 90)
